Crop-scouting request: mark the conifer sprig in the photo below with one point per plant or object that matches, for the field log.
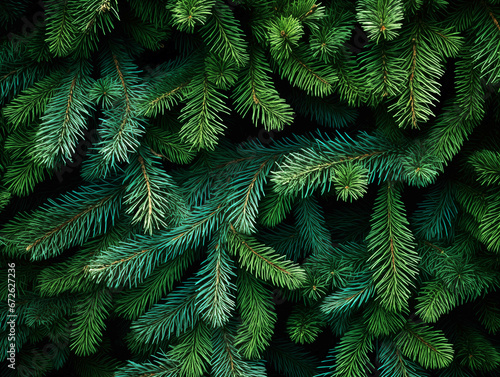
(393, 259)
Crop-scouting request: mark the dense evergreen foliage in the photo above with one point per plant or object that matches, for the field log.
(248, 188)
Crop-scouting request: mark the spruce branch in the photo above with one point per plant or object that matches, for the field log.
(186, 14)
(223, 33)
(172, 316)
(254, 304)
(32, 102)
(350, 356)
(255, 91)
(167, 145)
(215, 299)
(193, 350)
(171, 86)
(305, 171)
(380, 321)
(393, 259)
(61, 28)
(123, 263)
(151, 195)
(426, 345)
(23, 172)
(394, 363)
(434, 218)
(201, 115)
(263, 261)
(381, 19)
(424, 67)
(243, 197)
(121, 127)
(311, 226)
(64, 119)
(133, 303)
(162, 366)
(90, 313)
(226, 359)
(475, 351)
(486, 164)
(357, 292)
(382, 67)
(69, 221)
(434, 301)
